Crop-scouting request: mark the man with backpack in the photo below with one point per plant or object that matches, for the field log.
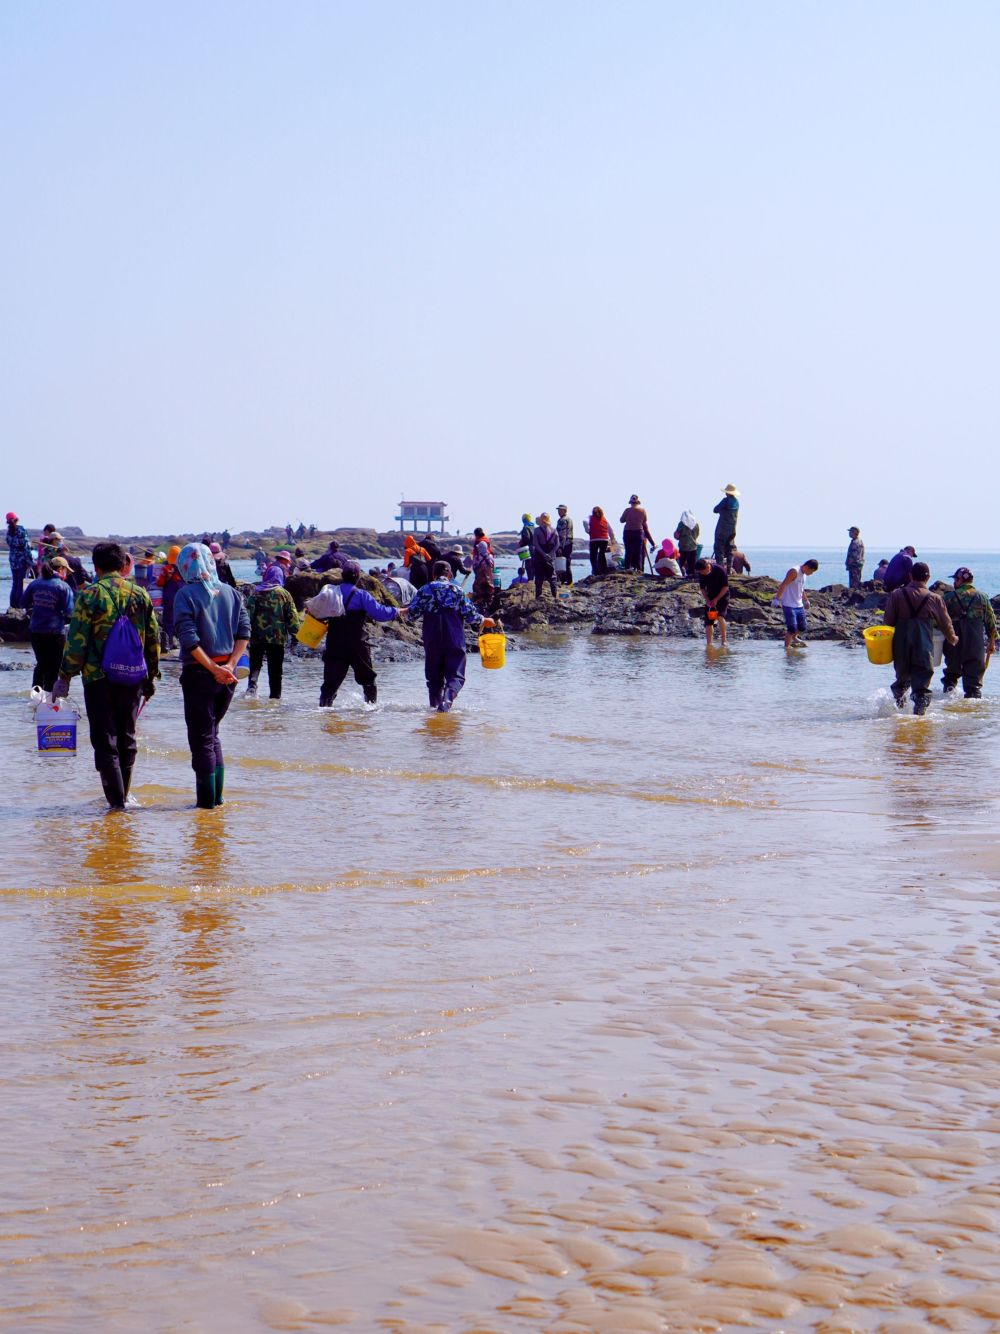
(113, 641)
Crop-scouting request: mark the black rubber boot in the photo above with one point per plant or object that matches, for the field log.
(219, 778)
(371, 694)
(111, 781)
(204, 789)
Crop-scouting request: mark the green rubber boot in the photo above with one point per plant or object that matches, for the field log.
(220, 777)
(204, 787)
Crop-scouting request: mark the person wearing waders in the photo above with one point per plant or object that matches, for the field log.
(445, 610)
(728, 510)
(112, 704)
(214, 630)
(347, 644)
(544, 549)
(913, 610)
(976, 626)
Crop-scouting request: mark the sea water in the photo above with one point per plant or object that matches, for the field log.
(648, 989)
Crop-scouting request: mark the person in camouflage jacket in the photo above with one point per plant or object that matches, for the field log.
(273, 622)
(112, 708)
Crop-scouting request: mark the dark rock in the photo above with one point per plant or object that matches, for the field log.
(14, 626)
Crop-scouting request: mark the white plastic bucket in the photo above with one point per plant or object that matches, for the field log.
(560, 565)
(937, 652)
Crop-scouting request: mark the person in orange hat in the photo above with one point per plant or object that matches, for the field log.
(170, 581)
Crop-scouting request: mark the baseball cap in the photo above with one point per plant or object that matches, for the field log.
(964, 573)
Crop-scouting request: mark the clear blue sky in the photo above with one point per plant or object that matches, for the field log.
(288, 261)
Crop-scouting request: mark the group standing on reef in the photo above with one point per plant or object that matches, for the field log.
(105, 628)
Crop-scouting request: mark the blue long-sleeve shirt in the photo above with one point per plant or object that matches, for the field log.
(50, 602)
(359, 602)
(211, 623)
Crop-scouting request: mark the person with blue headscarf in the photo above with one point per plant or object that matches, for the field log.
(213, 629)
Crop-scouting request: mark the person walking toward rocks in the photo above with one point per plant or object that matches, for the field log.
(112, 614)
(544, 549)
(728, 510)
(416, 561)
(347, 647)
(214, 630)
(686, 536)
(273, 622)
(50, 600)
(714, 582)
(170, 581)
(791, 597)
(913, 610)
(635, 534)
(483, 566)
(855, 562)
(444, 609)
(20, 557)
(975, 625)
(564, 529)
(599, 531)
(899, 569)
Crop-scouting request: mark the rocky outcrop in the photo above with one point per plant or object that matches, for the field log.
(634, 604)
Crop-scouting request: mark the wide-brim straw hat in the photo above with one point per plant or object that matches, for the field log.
(730, 490)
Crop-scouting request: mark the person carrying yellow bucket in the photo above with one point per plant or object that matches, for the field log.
(445, 611)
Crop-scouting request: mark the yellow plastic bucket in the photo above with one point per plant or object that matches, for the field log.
(878, 642)
(493, 650)
(311, 631)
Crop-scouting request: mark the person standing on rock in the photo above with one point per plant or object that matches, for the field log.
(899, 569)
(714, 582)
(686, 536)
(855, 562)
(878, 575)
(214, 630)
(564, 528)
(635, 534)
(19, 556)
(331, 559)
(976, 627)
(913, 610)
(599, 531)
(347, 647)
(728, 510)
(792, 599)
(525, 541)
(112, 704)
(224, 569)
(445, 610)
(544, 549)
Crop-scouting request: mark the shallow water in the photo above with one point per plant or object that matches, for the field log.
(645, 991)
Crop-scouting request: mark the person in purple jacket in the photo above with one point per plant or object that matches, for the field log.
(544, 550)
(331, 559)
(347, 644)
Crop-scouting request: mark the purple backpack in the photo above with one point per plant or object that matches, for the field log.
(123, 660)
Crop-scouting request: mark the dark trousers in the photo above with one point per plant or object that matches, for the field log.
(206, 703)
(725, 545)
(48, 655)
(599, 555)
(347, 648)
(854, 576)
(17, 587)
(566, 576)
(686, 560)
(111, 713)
(275, 654)
(967, 658)
(544, 574)
(444, 654)
(912, 657)
(633, 549)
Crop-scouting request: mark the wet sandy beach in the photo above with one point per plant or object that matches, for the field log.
(644, 993)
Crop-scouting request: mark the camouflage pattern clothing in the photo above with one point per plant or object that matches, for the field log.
(18, 547)
(443, 595)
(968, 603)
(273, 618)
(97, 608)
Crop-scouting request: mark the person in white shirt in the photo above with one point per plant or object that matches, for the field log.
(791, 597)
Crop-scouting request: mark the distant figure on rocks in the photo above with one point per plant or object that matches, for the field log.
(878, 576)
(525, 541)
(347, 646)
(564, 527)
(740, 563)
(666, 565)
(444, 608)
(900, 567)
(544, 549)
(416, 561)
(913, 610)
(635, 534)
(714, 581)
(20, 557)
(331, 559)
(686, 536)
(728, 510)
(483, 566)
(976, 627)
(598, 530)
(224, 569)
(855, 562)
(791, 597)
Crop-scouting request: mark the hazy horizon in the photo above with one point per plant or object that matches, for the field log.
(297, 261)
